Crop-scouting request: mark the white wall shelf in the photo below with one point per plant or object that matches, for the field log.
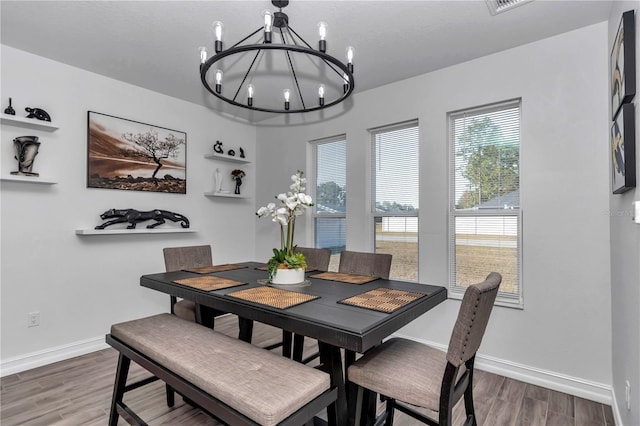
(30, 123)
(223, 194)
(28, 179)
(228, 158)
(91, 231)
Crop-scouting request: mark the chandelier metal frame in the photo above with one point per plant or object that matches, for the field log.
(296, 45)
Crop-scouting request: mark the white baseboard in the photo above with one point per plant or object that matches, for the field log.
(617, 418)
(49, 356)
(576, 386)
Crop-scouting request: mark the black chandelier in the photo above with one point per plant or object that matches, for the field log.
(278, 73)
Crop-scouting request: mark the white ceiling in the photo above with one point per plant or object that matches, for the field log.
(154, 44)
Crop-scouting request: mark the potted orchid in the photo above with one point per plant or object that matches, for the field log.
(286, 266)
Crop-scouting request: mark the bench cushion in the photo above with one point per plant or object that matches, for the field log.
(260, 384)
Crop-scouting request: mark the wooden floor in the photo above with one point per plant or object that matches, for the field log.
(78, 392)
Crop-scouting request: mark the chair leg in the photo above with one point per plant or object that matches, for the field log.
(171, 395)
(122, 371)
(287, 345)
(389, 412)
(298, 347)
(468, 403)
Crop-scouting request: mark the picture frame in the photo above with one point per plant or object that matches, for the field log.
(623, 63)
(623, 150)
(131, 155)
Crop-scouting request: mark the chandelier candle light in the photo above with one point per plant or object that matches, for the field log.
(286, 266)
(278, 73)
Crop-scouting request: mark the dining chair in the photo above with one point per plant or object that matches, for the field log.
(351, 262)
(407, 373)
(178, 258)
(317, 259)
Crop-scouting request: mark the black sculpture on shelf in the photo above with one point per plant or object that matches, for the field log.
(38, 113)
(241, 152)
(217, 147)
(26, 149)
(9, 110)
(231, 153)
(133, 217)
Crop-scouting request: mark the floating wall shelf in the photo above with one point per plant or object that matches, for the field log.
(30, 123)
(222, 194)
(229, 158)
(134, 231)
(27, 179)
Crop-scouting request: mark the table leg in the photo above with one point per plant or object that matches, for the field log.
(331, 362)
(246, 329)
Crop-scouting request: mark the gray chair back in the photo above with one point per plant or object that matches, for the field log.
(360, 263)
(316, 258)
(177, 258)
(473, 317)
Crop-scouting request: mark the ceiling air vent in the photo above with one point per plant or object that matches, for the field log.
(499, 6)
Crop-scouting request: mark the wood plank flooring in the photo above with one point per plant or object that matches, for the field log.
(78, 392)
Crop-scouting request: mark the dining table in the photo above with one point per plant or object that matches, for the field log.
(346, 312)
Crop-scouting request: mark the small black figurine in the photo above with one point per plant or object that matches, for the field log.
(217, 147)
(38, 113)
(231, 152)
(241, 152)
(9, 110)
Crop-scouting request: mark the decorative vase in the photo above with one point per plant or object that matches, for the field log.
(26, 149)
(288, 276)
(238, 183)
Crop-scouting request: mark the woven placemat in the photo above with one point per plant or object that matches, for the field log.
(344, 278)
(264, 268)
(209, 283)
(274, 297)
(215, 268)
(382, 299)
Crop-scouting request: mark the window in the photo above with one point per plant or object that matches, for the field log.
(485, 219)
(330, 198)
(395, 194)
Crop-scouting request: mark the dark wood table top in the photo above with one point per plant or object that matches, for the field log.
(349, 327)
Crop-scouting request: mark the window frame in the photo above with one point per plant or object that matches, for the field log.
(373, 214)
(507, 299)
(312, 185)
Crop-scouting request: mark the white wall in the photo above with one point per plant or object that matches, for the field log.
(562, 338)
(625, 267)
(81, 285)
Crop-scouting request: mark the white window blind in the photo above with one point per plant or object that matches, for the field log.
(395, 189)
(330, 198)
(485, 217)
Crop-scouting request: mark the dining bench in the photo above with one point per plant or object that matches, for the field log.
(234, 381)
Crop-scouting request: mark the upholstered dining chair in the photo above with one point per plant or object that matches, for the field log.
(317, 259)
(408, 373)
(351, 262)
(178, 258)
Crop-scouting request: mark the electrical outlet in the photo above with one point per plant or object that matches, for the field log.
(33, 319)
(627, 394)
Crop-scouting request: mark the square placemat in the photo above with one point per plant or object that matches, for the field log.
(344, 278)
(274, 297)
(382, 299)
(209, 283)
(215, 268)
(264, 268)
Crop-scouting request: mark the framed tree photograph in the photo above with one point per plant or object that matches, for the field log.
(126, 154)
(623, 150)
(623, 63)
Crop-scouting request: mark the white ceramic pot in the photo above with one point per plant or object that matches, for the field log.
(288, 276)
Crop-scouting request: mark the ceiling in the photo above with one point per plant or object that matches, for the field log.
(154, 44)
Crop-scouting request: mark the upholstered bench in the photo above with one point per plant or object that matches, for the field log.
(232, 380)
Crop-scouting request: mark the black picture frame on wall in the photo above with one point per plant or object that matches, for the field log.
(623, 63)
(130, 155)
(623, 150)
